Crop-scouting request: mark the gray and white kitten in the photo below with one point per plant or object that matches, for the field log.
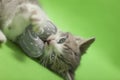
(62, 51)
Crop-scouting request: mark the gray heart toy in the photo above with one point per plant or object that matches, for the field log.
(32, 43)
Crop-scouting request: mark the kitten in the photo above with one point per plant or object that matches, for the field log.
(62, 53)
(16, 15)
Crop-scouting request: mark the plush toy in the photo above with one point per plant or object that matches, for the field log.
(32, 42)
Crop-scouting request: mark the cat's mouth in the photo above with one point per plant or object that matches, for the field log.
(48, 41)
(47, 44)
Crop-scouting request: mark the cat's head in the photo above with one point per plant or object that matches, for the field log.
(63, 51)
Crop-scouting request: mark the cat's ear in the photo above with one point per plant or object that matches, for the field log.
(84, 44)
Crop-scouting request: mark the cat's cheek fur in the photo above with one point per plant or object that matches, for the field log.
(26, 14)
(58, 48)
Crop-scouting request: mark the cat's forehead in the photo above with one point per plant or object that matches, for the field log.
(67, 35)
(63, 34)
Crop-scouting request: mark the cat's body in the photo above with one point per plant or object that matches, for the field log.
(62, 51)
(16, 15)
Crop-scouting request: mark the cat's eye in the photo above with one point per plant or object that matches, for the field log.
(62, 40)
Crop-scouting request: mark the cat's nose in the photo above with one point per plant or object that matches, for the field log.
(48, 41)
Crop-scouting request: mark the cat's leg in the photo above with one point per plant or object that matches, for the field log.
(16, 23)
(2, 37)
(25, 15)
(37, 17)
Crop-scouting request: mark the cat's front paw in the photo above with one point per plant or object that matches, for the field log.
(2, 38)
(37, 21)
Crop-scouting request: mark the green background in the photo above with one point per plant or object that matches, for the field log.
(99, 18)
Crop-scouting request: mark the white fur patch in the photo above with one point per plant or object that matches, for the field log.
(2, 37)
(22, 18)
(57, 48)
